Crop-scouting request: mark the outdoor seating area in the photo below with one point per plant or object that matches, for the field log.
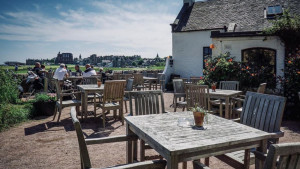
(159, 127)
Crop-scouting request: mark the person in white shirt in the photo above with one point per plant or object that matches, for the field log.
(60, 72)
(89, 71)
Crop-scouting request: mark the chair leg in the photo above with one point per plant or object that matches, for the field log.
(115, 114)
(184, 165)
(122, 115)
(103, 117)
(125, 106)
(55, 111)
(175, 104)
(60, 109)
(221, 109)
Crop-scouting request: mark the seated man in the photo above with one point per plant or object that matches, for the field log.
(89, 71)
(60, 73)
(38, 70)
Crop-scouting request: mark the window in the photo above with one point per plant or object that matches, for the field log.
(274, 10)
(206, 54)
(262, 62)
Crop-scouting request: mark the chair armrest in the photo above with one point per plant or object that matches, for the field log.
(199, 165)
(238, 99)
(278, 134)
(260, 155)
(238, 120)
(143, 165)
(110, 139)
(70, 90)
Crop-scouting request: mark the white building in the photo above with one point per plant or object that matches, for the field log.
(233, 26)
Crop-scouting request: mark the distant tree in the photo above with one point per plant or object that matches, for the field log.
(140, 61)
(134, 64)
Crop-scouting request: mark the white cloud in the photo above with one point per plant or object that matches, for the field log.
(118, 28)
(58, 6)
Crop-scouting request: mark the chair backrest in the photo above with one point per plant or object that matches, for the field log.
(129, 85)
(146, 102)
(84, 154)
(114, 90)
(178, 86)
(262, 88)
(138, 79)
(263, 111)
(116, 76)
(197, 95)
(288, 153)
(89, 80)
(195, 80)
(229, 85)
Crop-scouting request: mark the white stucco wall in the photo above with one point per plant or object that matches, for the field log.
(188, 52)
(237, 44)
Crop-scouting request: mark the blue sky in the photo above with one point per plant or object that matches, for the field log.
(42, 28)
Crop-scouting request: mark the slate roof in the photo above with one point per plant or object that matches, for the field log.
(215, 14)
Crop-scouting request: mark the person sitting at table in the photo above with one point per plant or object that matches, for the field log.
(78, 71)
(103, 75)
(89, 71)
(60, 73)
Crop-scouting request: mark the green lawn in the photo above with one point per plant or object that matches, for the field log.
(24, 69)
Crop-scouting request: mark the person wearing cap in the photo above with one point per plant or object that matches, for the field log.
(60, 72)
(89, 71)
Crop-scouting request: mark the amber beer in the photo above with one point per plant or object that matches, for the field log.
(99, 83)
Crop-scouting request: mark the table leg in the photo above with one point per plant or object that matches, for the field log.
(227, 108)
(82, 105)
(172, 163)
(129, 147)
(262, 148)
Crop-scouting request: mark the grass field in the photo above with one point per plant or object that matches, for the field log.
(25, 68)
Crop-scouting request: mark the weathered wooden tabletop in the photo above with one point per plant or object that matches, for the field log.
(178, 144)
(92, 87)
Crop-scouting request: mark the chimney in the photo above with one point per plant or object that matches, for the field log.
(190, 2)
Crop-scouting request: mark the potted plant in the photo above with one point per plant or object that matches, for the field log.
(44, 103)
(199, 114)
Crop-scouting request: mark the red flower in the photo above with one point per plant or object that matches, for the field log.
(247, 67)
(298, 72)
(230, 60)
(290, 62)
(201, 78)
(252, 74)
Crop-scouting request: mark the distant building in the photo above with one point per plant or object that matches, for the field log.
(66, 58)
(13, 63)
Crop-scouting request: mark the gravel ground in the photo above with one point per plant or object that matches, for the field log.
(42, 143)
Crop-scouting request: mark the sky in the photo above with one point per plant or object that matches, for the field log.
(39, 29)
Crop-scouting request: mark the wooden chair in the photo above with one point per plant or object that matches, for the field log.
(288, 155)
(129, 88)
(84, 154)
(194, 80)
(197, 95)
(89, 80)
(138, 81)
(60, 103)
(146, 102)
(179, 93)
(263, 112)
(161, 81)
(241, 99)
(225, 85)
(113, 96)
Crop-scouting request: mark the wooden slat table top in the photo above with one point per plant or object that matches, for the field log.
(220, 92)
(150, 78)
(163, 132)
(92, 87)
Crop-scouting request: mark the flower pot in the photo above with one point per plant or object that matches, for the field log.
(198, 117)
(44, 108)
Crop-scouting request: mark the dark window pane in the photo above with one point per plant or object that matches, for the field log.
(206, 54)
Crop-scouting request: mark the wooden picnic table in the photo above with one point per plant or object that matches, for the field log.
(178, 144)
(86, 90)
(227, 95)
(151, 81)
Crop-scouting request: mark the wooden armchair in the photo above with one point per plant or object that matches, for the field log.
(129, 88)
(60, 103)
(179, 93)
(113, 96)
(197, 95)
(194, 80)
(161, 81)
(84, 154)
(146, 102)
(288, 155)
(239, 100)
(263, 112)
(138, 81)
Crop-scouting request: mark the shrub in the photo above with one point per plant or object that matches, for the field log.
(8, 87)
(42, 97)
(11, 114)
